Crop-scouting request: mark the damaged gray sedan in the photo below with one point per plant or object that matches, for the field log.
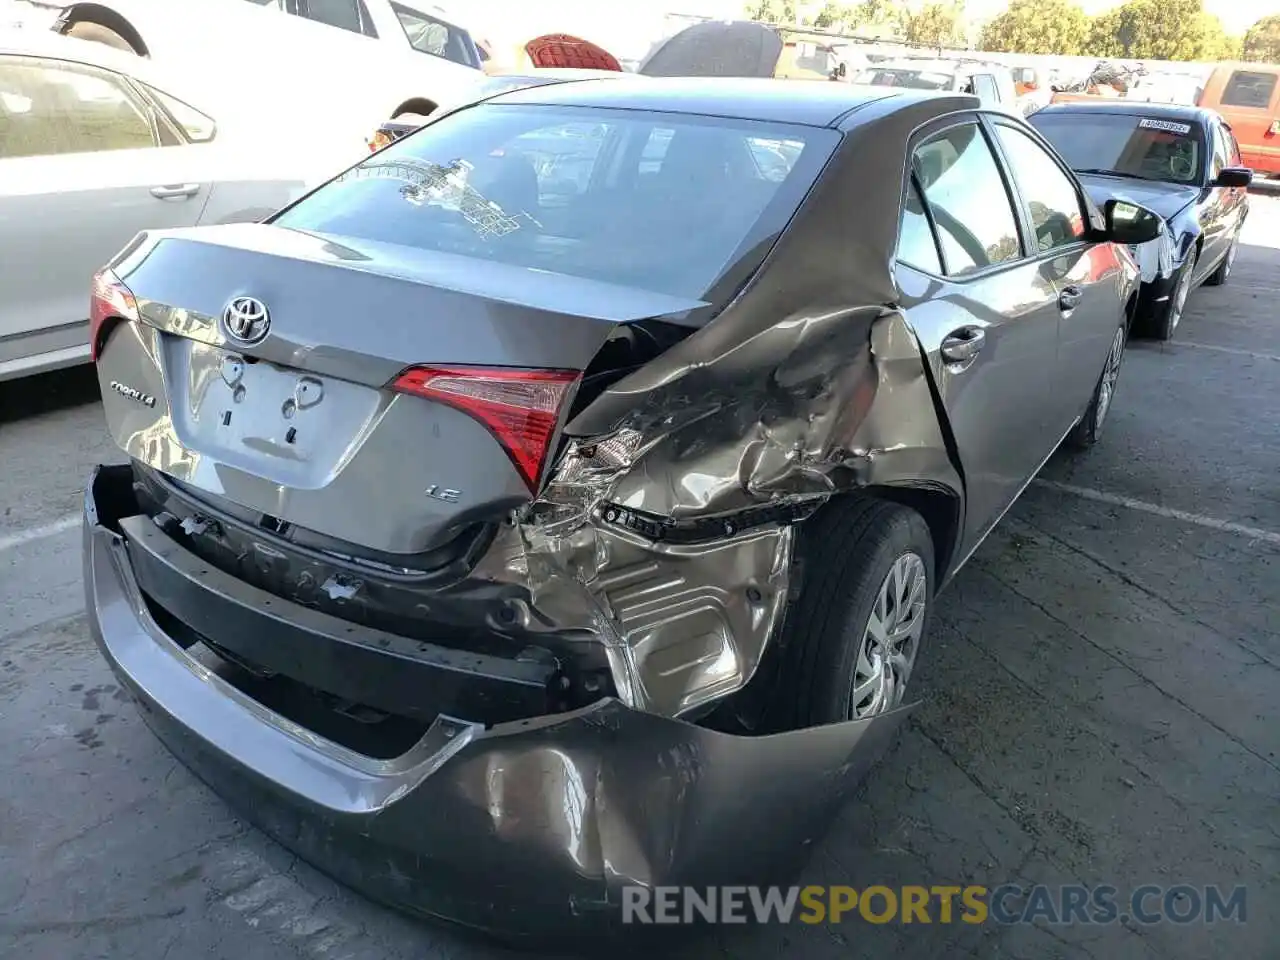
(556, 500)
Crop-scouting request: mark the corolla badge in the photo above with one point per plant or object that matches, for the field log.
(134, 394)
(246, 320)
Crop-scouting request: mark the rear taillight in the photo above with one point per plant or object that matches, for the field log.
(109, 302)
(379, 140)
(519, 407)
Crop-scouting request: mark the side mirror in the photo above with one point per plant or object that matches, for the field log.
(1129, 223)
(1234, 177)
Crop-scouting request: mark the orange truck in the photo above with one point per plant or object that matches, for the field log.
(1248, 96)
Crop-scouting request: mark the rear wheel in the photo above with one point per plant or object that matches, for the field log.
(853, 636)
(97, 33)
(1089, 430)
(1219, 276)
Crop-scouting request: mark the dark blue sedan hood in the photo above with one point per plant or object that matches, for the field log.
(1166, 199)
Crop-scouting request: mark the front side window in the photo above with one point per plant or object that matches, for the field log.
(1248, 88)
(1052, 200)
(663, 202)
(1126, 145)
(433, 36)
(1221, 153)
(966, 194)
(51, 107)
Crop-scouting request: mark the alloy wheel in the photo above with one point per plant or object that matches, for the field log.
(891, 639)
(1110, 376)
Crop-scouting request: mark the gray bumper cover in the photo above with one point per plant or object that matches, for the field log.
(527, 829)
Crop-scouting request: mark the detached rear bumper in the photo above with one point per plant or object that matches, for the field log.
(527, 829)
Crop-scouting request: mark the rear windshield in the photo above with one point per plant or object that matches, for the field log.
(427, 34)
(1149, 148)
(664, 202)
(915, 79)
(1249, 88)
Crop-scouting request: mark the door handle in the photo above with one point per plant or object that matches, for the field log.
(1069, 298)
(175, 191)
(963, 345)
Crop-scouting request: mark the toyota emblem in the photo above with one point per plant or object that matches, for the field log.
(246, 320)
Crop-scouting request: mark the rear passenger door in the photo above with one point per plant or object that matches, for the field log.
(1083, 273)
(986, 314)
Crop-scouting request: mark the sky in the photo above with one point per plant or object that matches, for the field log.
(623, 26)
(1236, 15)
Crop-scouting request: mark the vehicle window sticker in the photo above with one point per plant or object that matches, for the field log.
(1168, 126)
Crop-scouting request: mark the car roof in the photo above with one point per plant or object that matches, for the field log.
(1133, 108)
(778, 101)
(937, 64)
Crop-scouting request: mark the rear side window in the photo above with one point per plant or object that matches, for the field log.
(984, 86)
(1249, 88)
(656, 201)
(427, 34)
(51, 107)
(966, 194)
(916, 245)
(198, 127)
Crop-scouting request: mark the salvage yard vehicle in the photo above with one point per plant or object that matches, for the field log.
(96, 145)
(1180, 162)
(992, 83)
(497, 541)
(343, 65)
(1248, 96)
(407, 123)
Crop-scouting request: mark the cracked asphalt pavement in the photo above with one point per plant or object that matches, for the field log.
(1100, 687)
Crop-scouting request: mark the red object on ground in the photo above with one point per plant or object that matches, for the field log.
(564, 50)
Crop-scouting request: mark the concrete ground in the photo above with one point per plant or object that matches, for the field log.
(1101, 684)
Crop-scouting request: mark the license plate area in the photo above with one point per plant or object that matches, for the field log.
(287, 425)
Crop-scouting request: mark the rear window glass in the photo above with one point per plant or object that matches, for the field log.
(663, 202)
(1126, 145)
(1248, 88)
(915, 79)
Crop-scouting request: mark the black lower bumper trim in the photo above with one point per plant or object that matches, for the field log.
(395, 674)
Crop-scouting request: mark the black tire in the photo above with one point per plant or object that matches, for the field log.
(97, 33)
(846, 552)
(1166, 318)
(1223, 272)
(1088, 431)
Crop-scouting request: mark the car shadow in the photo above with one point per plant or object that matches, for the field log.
(47, 393)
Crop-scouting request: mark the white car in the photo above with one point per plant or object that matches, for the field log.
(95, 146)
(344, 65)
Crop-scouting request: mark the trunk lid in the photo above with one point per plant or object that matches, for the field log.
(300, 412)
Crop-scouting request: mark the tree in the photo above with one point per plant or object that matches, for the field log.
(1038, 26)
(1159, 30)
(1262, 42)
(933, 25)
(852, 16)
(772, 11)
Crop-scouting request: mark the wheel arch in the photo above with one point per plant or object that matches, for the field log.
(942, 512)
(106, 17)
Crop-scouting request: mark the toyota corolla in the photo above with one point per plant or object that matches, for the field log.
(557, 499)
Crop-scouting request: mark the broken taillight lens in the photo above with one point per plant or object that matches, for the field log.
(110, 301)
(519, 407)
